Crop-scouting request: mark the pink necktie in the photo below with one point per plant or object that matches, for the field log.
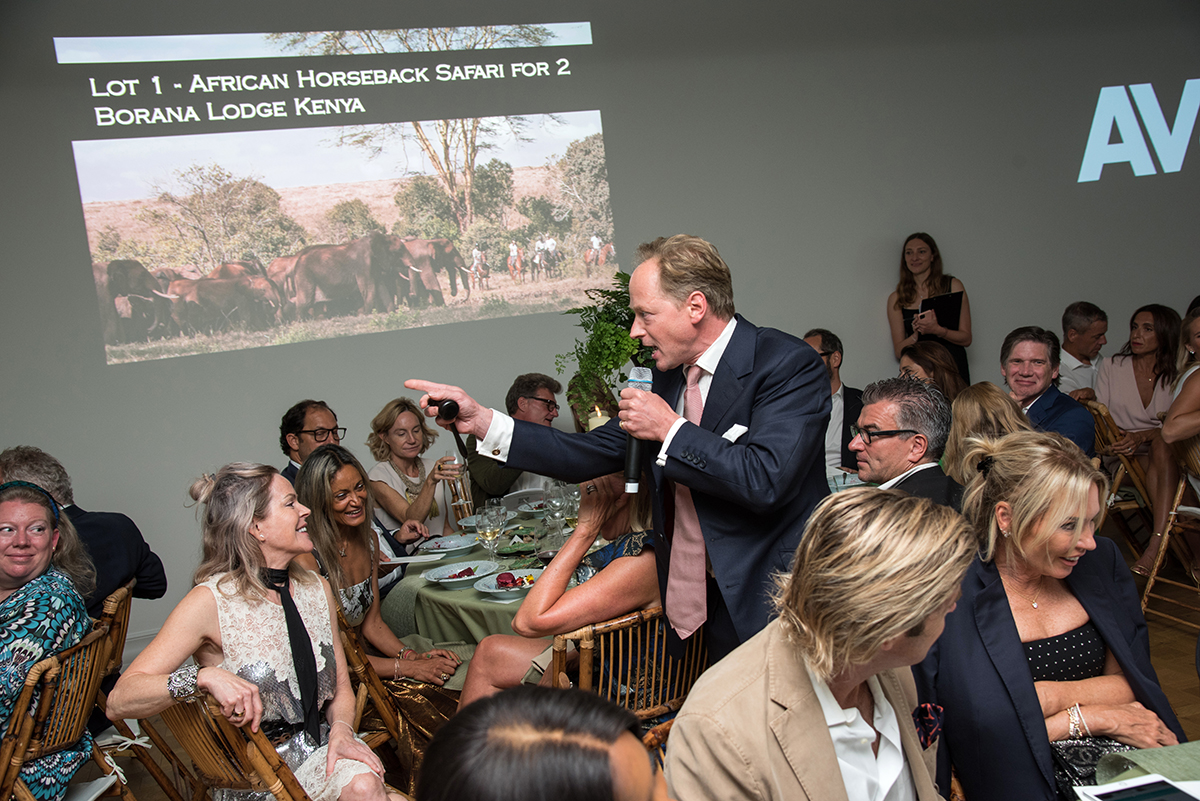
(687, 589)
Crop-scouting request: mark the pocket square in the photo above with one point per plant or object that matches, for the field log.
(735, 431)
(928, 718)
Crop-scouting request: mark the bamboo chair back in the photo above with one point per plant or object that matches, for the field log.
(369, 687)
(115, 615)
(655, 741)
(52, 710)
(229, 757)
(634, 668)
(1187, 453)
(1107, 432)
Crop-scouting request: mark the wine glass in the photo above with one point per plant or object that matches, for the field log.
(489, 524)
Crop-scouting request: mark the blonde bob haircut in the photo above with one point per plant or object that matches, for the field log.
(1039, 475)
(231, 500)
(383, 422)
(688, 264)
(981, 410)
(872, 565)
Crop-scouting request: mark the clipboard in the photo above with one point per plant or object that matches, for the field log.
(947, 308)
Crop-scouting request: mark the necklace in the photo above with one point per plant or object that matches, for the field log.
(342, 550)
(414, 485)
(1033, 600)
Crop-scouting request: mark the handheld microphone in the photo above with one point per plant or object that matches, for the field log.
(639, 378)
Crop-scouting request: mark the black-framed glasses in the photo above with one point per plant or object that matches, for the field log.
(551, 405)
(867, 436)
(322, 434)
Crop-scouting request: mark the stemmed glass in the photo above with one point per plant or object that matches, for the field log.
(490, 522)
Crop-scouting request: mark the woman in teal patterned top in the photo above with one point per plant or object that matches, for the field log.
(43, 569)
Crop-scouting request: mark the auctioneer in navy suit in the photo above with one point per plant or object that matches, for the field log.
(1058, 412)
(755, 464)
(993, 729)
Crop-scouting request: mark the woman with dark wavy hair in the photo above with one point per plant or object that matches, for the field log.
(931, 362)
(1135, 385)
(921, 277)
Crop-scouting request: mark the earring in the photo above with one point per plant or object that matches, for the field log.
(1004, 532)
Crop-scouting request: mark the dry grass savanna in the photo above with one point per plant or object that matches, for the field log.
(504, 299)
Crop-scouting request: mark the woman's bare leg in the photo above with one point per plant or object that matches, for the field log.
(500, 662)
(1162, 478)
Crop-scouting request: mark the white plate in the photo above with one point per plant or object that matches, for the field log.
(488, 583)
(469, 522)
(439, 575)
(529, 509)
(444, 546)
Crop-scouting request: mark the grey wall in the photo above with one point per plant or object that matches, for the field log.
(806, 141)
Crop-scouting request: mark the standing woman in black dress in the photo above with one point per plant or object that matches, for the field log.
(921, 277)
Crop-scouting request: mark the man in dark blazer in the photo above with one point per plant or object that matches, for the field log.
(1029, 362)
(305, 427)
(900, 436)
(752, 465)
(840, 461)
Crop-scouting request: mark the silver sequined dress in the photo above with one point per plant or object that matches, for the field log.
(254, 641)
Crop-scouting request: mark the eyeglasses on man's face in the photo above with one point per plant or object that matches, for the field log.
(551, 405)
(322, 434)
(867, 436)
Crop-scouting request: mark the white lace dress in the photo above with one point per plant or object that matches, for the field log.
(254, 641)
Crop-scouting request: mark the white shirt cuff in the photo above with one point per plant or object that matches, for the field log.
(662, 452)
(499, 437)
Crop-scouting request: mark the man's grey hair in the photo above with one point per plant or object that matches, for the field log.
(27, 463)
(1080, 316)
(919, 406)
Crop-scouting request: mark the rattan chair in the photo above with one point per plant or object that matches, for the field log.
(51, 713)
(655, 740)
(1180, 519)
(1135, 496)
(228, 757)
(625, 661)
(368, 688)
(116, 616)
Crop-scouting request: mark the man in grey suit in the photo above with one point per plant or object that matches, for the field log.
(900, 436)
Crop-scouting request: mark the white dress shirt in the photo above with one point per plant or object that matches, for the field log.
(868, 776)
(833, 434)
(1074, 374)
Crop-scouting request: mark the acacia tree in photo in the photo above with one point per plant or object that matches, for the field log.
(214, 217)
(581, 176)
(349, 220)
(451, 147)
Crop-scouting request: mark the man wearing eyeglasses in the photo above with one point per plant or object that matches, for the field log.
(840, 464)
(304, 428)
(900, 436)
(530, 398)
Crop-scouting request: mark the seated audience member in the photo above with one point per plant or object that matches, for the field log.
(1048, 644)
(262, 633)
(626, 581)
(404, 484)
(530, 398)
(1183, 418)
(1084, 326)
(900, 436)
(541, 743)
(305, 427)
(841, 468)
(1029, 364)
(43, 572)
(930, 361)
(981, 410)
(1135, 385)
(333, 485)
(820, 704)
(113, 541)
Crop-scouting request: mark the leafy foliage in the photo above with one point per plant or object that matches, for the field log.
(349, 220)
(217, 217)
(540, 213)
(607, 346)
(425, 211)
(582, 178)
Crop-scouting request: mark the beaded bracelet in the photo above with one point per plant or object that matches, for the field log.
(182, 683)
(405, 650)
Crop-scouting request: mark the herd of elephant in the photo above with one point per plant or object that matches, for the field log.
(376, 272)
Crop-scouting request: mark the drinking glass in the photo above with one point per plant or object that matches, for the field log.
(489, 524)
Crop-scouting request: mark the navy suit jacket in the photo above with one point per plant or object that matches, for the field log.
(993, 729)
(851, 409)
(290, 472)
(1059, 412)
(753, 492)
(935, 485)
(120, 554)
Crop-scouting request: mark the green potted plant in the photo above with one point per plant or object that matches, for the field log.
(600, 357)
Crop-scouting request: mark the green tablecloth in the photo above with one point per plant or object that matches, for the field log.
(417, 606)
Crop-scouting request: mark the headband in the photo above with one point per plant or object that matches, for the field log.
(32, 486)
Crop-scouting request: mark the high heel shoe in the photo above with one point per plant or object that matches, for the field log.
(1141, 571)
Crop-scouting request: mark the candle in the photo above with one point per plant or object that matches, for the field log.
(596, 418)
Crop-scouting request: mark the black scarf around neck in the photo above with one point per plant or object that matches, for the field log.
(302, 651)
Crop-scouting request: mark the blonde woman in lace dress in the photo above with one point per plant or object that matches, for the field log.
(260, 630)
